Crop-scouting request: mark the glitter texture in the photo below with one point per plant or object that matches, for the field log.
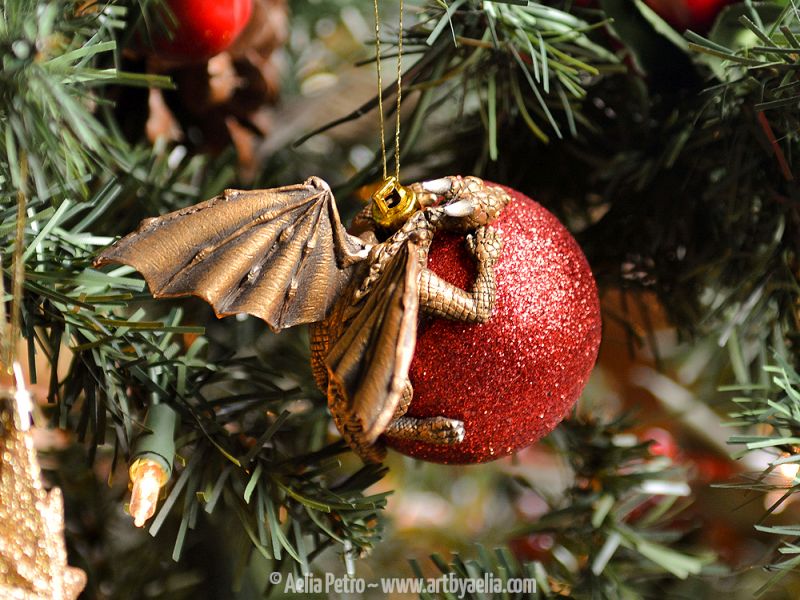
(33, 555)
(512, 379)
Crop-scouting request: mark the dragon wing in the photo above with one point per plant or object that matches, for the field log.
(280, 254)
(368, 365)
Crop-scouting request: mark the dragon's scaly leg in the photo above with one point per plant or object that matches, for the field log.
(434, 430)
(442, 299)
(405, 400)
(439, 298)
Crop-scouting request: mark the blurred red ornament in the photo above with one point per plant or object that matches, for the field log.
(535, 546)
(725, 540)
(697, 15)
(202, 28)
(711, 468)
(514, 378)
(661, 442)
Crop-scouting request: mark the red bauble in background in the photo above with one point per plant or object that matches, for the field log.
(534, 546)
(202, 29)
(514, 378)
(662, 443)
(697, 15)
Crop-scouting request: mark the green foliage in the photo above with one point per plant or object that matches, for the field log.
(753, 50)
(492, 63)
(122, 359)
(51, 55)
(615, 532)
(621, 514)
(535, 56)
(253, 436)
(768, 415)
(682, 186)
(686, 192)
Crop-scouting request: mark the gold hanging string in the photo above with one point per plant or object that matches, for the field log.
(380, 84)
(380, 91)
(399, 94)
(392, 204)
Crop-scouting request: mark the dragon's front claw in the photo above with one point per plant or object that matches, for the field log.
(437, 186)
(428, 193)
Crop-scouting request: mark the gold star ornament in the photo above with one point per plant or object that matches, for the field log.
(33, 555)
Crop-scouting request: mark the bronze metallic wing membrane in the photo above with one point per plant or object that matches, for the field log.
(280, 254)
(369, 362)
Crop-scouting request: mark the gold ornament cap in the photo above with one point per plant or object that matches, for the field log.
(393, 204)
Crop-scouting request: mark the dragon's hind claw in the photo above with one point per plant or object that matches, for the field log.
(433, 430)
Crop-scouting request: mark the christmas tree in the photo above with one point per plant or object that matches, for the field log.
(662, 135)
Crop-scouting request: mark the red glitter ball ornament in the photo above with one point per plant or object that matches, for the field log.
(512, 379)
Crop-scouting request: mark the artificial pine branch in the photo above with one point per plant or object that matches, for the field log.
(51, 51)
(233, 409)
(768, 415)
(611, 537)
(683, 187)
(489, 47)
(497, 64)
(254, 435)
(250, 446)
